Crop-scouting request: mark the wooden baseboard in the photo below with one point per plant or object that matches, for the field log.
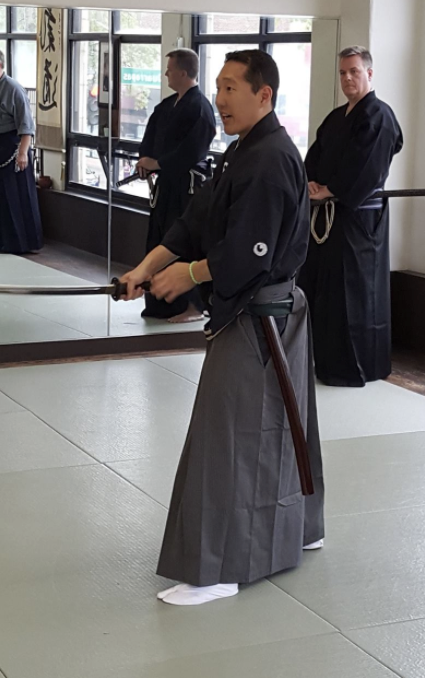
(103, 347)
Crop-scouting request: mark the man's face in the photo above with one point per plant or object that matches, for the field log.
(174, 74)
(239, 107)
(355, 78)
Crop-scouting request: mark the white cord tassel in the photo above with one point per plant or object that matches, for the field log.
(329, 218)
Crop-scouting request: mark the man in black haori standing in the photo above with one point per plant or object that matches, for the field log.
(20, 223)
(175, 146)
(346, 276)
(237, 512)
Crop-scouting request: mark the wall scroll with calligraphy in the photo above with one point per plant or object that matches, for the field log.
(49, 131)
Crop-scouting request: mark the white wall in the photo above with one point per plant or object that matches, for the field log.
(176, 32)
(324, 47)
(395, 43)
(415, 245)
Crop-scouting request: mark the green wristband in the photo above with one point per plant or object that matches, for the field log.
(192, 277)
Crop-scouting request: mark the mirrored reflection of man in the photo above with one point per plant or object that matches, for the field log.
(20, 223)
(346, 276)
(237, 513)
(175, 145)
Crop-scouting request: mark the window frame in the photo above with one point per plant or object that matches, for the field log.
(9, 36)
(264, 39)
(122, 148)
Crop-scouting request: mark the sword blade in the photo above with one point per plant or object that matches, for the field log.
(115, 289)
(57, 290)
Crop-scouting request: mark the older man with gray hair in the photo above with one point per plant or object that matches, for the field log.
(346, 276)
(20, 224)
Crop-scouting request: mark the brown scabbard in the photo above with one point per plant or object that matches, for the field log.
(300, 444)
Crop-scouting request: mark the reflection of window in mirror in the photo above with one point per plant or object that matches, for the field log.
(137, 66)
(18, 33)
(287, 39)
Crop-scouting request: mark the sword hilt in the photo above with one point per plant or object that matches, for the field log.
(121, 288)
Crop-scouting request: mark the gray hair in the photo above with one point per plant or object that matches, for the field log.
(186, 60)
(2, 59)
(357, 50)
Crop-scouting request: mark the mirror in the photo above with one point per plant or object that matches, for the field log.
(112, 70)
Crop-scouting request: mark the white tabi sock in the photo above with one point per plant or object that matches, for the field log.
(161, 595)
(314, 545)
(184, 594)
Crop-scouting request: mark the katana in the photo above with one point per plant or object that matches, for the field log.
(396, 193)
(115, 289)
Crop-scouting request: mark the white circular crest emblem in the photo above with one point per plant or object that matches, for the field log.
(260, 249)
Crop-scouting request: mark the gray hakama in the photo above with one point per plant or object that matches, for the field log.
(237, 513)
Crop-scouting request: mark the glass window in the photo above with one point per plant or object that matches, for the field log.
(24, 19)
(90, 21)
(2, 19)
(290, 24)
(85, 87)
(228, 23)
(142, 23)
(24, 62)
(211, 59)
(294, 63)
(140, 87)
(138, 188)
(86, 168)
(3, 49)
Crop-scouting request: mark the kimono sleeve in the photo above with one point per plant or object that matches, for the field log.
(184, 237)
(146, 148)
(254, 224)
(364, 165)
(22, 113)
(191, 150)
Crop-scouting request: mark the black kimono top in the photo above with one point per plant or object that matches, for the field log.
(251, 221)
(352, 153)
(179, 134)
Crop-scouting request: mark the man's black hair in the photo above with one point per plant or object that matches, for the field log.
(261, 69)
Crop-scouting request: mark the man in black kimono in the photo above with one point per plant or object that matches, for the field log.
(237, 513)
(175, 146)
(347, 273)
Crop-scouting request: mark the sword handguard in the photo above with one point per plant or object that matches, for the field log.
(121, 288)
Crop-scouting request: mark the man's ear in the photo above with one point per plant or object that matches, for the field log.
(266, 94)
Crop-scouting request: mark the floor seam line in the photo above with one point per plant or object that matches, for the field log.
(368, 654)
(135, 486)
(195, 383)
(337, 630)
(384, 623)
(39, 418)
(53, 322)
(374, 512)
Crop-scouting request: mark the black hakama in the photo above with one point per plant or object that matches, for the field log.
(20, 223)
